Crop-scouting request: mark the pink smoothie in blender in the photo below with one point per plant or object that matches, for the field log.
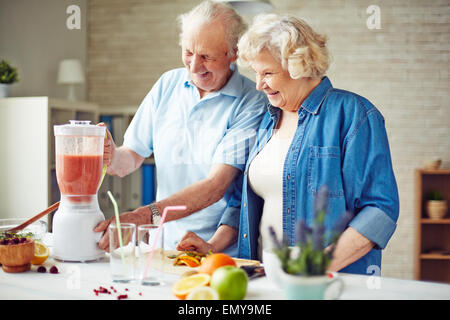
(79, 174)
(79, 162)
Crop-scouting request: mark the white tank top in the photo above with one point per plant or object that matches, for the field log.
(265, 177)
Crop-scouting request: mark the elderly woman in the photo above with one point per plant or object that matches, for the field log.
(313, 135)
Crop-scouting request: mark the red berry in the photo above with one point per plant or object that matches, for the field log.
(41, 269)
(54, 270)
(122, 296)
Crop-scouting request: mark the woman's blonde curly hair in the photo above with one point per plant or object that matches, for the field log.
(292, 41)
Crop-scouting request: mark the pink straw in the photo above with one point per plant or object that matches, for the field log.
(158, 231)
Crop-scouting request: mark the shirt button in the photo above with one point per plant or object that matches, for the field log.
(245, 235)
(289, 210)
(245, 204)
(289, 176)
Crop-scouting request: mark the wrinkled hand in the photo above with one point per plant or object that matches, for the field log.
(109, 147)
(139, 216)
(192, 242)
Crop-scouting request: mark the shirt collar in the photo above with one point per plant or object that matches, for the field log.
(314, 100)
(231, 88)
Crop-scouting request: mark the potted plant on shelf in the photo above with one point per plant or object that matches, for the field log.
(304, 266)
(8, 75)
(436, 205)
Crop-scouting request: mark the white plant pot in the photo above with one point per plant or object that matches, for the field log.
(4, 90)
(436, 209)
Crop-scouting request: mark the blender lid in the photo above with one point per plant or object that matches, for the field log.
(79, 128)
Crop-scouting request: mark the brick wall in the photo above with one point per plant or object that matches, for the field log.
(403, 68)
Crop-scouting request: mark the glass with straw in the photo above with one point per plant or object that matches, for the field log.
(122, 239)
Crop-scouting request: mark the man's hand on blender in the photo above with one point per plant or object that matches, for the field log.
(120, 161)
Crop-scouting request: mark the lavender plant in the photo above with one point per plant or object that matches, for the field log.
(313, 258)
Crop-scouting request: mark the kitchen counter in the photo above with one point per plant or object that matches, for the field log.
(79, 280)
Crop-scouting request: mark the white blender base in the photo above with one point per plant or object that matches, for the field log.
(74, 238)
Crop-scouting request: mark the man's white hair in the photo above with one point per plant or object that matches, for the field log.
(209, 11)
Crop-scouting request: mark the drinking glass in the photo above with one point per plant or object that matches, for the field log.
(154, 274)
(122, 256)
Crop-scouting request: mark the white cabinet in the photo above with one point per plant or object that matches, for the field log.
(27, 151)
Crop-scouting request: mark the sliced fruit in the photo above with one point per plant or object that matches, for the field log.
(189, 261)
(203, 293)
(215, 261)
(186, 285)
(188, 273)
(41, 253)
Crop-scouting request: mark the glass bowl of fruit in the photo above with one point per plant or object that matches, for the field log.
(36, 230)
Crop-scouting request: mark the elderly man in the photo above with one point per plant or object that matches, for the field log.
(199, 121)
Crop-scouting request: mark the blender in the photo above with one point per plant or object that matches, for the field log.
(79, 162)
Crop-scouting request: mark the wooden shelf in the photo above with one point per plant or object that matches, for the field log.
(431, 172)
(435, 221)
(434, 256)
(432, 235)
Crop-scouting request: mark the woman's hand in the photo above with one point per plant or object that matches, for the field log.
(139, 216)
(192, 242)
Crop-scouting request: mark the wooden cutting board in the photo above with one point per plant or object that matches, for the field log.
(162, 262)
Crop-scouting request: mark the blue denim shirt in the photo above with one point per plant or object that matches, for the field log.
(340, 142)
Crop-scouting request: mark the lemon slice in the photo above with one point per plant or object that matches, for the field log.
(41, 253)
(186, 285)
(203, 293)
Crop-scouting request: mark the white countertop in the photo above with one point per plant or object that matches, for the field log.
(78, 281)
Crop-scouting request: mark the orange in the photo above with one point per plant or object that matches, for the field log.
(41, 253)
(189, 261)
(215, 261)
(186, 285)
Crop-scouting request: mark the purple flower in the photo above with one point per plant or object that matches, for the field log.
(321, 203)
(302, 232)
(318, 237)
(343, 222)
(273, 235)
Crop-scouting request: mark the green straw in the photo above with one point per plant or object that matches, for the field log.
(116, 212)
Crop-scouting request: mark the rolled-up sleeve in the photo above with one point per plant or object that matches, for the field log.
(238, 140)
(370, 186)
(230, 217)
(375, 225)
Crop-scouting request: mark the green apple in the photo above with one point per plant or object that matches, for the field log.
(230, 282)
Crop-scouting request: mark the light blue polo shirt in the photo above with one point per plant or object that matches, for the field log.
(187, 134)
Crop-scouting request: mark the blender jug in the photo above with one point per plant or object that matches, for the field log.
(79, 162)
